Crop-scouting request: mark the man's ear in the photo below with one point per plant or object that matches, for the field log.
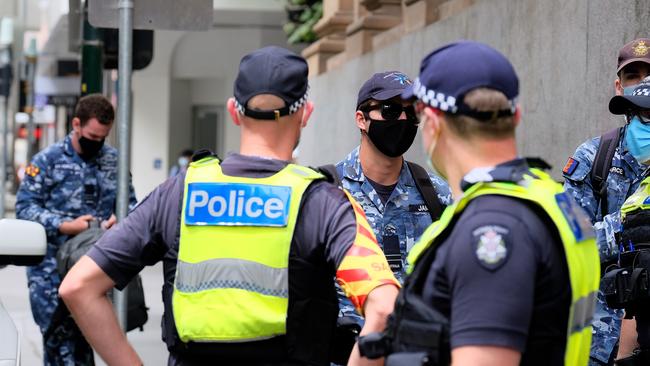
(618, 87)
(360, 119)
(76, 124)
(232, 110)
(517, 119)
(435, 119)
(308, 109)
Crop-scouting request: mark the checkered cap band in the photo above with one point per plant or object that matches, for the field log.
(293, 108)
(645, 92)
(446, 103)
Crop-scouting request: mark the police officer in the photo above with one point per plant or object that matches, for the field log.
(66, 186)
(601, 187)
(249, 245)
(508, 275)
(634, 219)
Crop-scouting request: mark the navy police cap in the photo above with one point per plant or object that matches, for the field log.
(271, 70)
(450, 72)
(383, 86)
(639, 100)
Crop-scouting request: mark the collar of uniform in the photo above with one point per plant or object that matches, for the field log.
(509, 171)
(352, 170)
(251, 166)
(352, 166)
(67, 145)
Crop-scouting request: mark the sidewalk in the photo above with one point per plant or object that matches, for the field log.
(15, 298)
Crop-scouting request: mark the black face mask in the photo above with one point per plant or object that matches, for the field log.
(394, 137)
(90, 148)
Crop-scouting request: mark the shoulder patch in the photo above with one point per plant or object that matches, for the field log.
(570, 166)
(32, 170)
(490, 247)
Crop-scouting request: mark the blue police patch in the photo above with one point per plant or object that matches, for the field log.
(646, 201)
(237, 204)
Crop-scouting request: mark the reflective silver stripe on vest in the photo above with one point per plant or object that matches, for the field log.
(583, 312)
(232, 273)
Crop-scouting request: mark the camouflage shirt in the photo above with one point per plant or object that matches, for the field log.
(400, 220)
(624, 177)
(60, 186)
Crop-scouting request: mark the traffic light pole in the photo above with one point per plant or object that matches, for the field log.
(123, 132)
(92, 58)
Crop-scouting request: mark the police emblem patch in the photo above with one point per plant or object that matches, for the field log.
(32, 170)
(491, 249)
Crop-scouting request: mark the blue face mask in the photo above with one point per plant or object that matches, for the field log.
(637, 137)
(629, 90)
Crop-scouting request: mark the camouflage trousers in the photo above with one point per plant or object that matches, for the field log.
(63, 342)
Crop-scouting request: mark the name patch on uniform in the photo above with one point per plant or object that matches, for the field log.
(570, 166)
(616, 170)
(237, 204)
(418, 208)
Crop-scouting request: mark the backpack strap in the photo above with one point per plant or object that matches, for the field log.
(602, 163)
(428, 192)
(329, 171)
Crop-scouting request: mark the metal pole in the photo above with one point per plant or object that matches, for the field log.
(29, 100)
(124, 121)
(3, 164)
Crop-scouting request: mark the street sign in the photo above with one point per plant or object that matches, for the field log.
(192, 15)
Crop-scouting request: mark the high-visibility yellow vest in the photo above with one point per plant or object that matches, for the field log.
(232, 280)
(577, 238)
(639, 200)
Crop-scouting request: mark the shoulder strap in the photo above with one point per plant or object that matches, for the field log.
(329, 171)
(602, 163)
(428, 192)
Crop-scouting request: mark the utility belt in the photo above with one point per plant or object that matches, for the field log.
(626, 283)
(416, 333)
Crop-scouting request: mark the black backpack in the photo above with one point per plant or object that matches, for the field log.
(422, 182)
(602, 164)
(76, 247)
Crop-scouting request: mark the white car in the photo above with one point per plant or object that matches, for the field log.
(22, 243)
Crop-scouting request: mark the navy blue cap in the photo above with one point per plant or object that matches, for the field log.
(638, 100)
(271, 70)
(450, 72)
(383, 86)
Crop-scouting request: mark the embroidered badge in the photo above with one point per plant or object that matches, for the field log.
(641, 49)
(491, 249)
(32, 170)
(570, 166)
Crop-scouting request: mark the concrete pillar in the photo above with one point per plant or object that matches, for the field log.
(420, 13)
(337, 15)
(371, 18)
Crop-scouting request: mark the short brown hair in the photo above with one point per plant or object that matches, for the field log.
(484, 100)
(95, 106)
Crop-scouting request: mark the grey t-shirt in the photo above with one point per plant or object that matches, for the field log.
(325, 229)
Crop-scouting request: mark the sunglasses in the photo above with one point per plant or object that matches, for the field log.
(392, 111)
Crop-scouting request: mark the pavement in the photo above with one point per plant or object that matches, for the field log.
(15, 298)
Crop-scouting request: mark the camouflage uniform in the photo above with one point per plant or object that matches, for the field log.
(398, 217)
(59, 186)
(625, 175)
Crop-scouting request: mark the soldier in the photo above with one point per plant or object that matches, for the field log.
(249, 245)
(66, 186)
(601, 181)
(387, 187)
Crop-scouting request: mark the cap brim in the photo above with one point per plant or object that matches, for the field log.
(622, 104)
(632, 60)
(387, 94)
(408, 93)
